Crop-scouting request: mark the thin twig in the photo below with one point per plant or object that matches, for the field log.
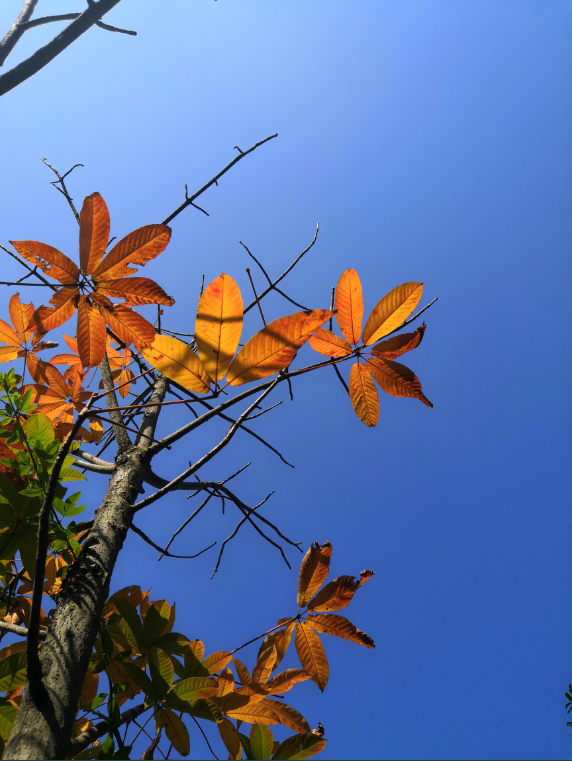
(63, 190)
(274, 628)
(206, 738)
(183, 526)
(270, 283)
(21, 631)
(164, 551)
(255, 296)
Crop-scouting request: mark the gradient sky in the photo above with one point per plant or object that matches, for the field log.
(431, 139)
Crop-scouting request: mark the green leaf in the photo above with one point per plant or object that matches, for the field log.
(141, 680)
(175, 730)
(7, 716)
(162, 672)
(13, 672)
(156, 620)
(39, 429)
(71, 474)
(8, 494)
(300, 746)
(261, 741)
(245, 742)
(131, 626)
(195, 687)
(172, 643)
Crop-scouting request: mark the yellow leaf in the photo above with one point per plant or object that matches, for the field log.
(312, 655)
(284, 681)
(253, 712)
(264, 665)
(216, 661)
(349, 305)
(218, 325)
(274, 347)
(242, 671)
(329, 344)
(363, 395)
(176, 361)
(287, 715)
(391, 311)
(313, 571)
(339, 627)
(396, 379)
(175, 730)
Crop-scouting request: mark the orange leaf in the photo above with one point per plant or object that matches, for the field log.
(242, 671)
(48, 318)
(65, 359)
(176, 361)
(312, 655)
(329, 344)
(363, 395)
(339, 627)
(218, 325)
(396, 379)
(275, 346)
(8, 353)
(9, 336)
(398, 345)
(20, 314)
(286, 680)
(89, 689)
(391, 311)
(93, 232)
(135, 291)
(51, 261)
(287, 715)
(128, 325)
(349, 303)
(338, 593)
(57, 381)
(125, 376)
(91, 333)
(264, 664)
(139, 247)
(253, 712)
(313, 571)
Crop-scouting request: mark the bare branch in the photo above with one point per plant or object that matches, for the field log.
(123, 440)
(184, 525)
(271, 284)
(255, 296)
(63, 190)
(164, 551)
(412, 319)
(151, 416)
(189, 199)
(48, 52)
(17, 29)
(32, 270)
(82, 741)
(21, 631)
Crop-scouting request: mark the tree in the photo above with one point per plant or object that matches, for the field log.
(48, 422)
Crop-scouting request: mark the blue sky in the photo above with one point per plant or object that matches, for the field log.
(431, 140)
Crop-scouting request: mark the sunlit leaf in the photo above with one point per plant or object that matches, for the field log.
(287, 715)
(253, 712)
(313, 571)
(51, 261)
(363, 395)
(39, 429)
(7, 715)
(338, 593)
(139, 247)
(391, 311)
(230, 738)
(339, 626)
(20, 314)
(218, 325)
(349, 305)
(175, 730)
(162, 671)
(63, 306)
(261, 741)
(264, 665)
(91, 333)
(275, 346)
(176, 361)
(136, 291)
(312, 655)
(396, 379)
(398, 345)
(241, 670)
(286, 680)
(225, 683)
(93, 232)
(195, 687)
(300, 746)
(128, 325)
(216, 661)
(281, 640)
(329, 344)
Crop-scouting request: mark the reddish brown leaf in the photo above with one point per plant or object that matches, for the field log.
(398, 345)
(136, 291)
(91, 333)
(349, 305)
(63, 306)
(93, 232)
(313, 571)
(339, 627)
(338, 593)
(312, 655)
(396, 379)
(139, 247)
(363, 395)
(51, 261)
(329, 344)
(275, 346)
(128, 325)
(389, 313)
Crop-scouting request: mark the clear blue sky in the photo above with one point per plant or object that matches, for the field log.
(432, 142)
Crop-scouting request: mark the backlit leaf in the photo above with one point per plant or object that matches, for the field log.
(339, 626)
(51, 261)
(349, 305)
(242, 671)
(20, 314)
(225, 683)
(281, 640)
(176, 361)
(300, 746)
(9, 336)
(218, 325)
(274, 347)
(261, 741)
(156, 620)
(12, 672)
(264, 665)
(253, 712)
(128, 325)
(363, 395)
(391, 311)
(89, 689)
(136, 291)
(338, 593)
(396, 379)
(194, 653)
(196, 687)
(39, 429)
(313, 571)
(139, 247)
(286, 680)
(217, 661)
(312, 655)
(63, 306)
(161, 670)
(287, 715)
(230, 738)
(91, 333)
(93, 232)
(329, 344)
(175, 730)
(7, 715)
(398, 345)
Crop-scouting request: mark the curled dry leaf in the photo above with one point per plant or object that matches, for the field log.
(363, 395)
(311, 654)
(391, 311)
(218, 325)
(398, 345)
(313, 571)
(338, 593)
(339, 626)
(176, 361)
(329, 344)
(396, 379)
(274, 347)
(349, 305)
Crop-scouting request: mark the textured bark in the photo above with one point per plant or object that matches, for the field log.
(43, 724)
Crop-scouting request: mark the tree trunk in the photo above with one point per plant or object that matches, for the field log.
(44, 722)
